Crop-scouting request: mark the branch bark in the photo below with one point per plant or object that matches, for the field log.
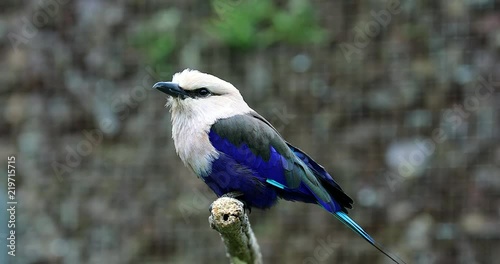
(231, 221)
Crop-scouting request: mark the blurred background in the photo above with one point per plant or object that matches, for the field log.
(399, 100)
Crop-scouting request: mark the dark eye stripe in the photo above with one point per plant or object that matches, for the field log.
(200, 93)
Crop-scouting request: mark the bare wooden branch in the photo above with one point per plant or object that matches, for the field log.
(231, 221)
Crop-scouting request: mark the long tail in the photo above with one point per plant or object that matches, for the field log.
(346, 220)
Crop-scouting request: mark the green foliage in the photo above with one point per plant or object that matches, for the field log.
(297, 25)
(238, 22)
(156, 36)
(259, 23)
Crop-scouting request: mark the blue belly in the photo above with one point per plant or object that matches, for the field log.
(228, 175)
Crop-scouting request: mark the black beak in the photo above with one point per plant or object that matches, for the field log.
(171, 89)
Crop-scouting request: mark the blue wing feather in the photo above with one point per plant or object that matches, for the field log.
(267, 156)
(327, 181)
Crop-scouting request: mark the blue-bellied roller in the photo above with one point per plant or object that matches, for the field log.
(238, 153)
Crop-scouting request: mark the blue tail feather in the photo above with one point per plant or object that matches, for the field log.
(346, 220)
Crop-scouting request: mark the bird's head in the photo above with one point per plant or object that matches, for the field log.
(197, 94)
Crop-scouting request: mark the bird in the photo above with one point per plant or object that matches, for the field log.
(239, 154)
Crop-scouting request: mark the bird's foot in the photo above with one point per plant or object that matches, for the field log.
(247, 208)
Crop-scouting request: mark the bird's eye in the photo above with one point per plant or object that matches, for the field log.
(203, 92)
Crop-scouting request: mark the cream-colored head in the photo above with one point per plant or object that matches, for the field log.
(197, 100)
(194, 93)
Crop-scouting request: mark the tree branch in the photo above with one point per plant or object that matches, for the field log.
(230, 220)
